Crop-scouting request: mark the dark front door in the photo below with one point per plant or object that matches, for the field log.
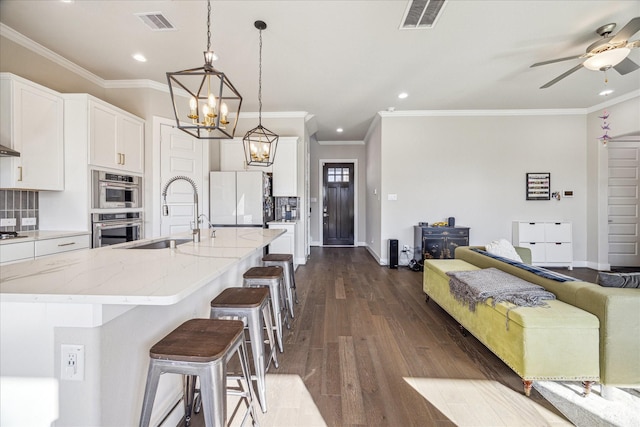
(337, 204)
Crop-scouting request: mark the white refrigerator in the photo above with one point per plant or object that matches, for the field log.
(240, 199)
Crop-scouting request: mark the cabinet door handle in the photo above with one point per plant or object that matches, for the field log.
(19, 173)
(66, 244)
(123, 159)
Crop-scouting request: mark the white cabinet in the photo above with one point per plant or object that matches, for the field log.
(551, 243)
(285, 243)
(32, 123)
(22, 251)
(61, 244)
(285, 168)
(232, 157)
(13, 252)
(116, 138)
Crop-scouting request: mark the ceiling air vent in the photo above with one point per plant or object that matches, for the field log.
(422, 14)
(156, 21)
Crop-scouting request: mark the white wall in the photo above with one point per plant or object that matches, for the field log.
(472, 166)
(374, 188)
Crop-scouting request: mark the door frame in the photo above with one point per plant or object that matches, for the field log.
(321, 197)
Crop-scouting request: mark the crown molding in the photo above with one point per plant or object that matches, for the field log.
(16, 37)
(275, 115)
(613, 101)
(484, 113)
(340, 142)
(137, 84)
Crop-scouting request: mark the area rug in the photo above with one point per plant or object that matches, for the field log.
(621, 408)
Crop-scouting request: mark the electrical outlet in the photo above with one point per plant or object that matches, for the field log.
(72, 362)
(28, 221)
(7, 222)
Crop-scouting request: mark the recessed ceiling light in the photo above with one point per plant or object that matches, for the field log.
(403, 95)
(606, 92)
(139, 57)
(339, 130)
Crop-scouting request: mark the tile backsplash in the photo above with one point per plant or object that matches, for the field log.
(19, 204)
(287, 208)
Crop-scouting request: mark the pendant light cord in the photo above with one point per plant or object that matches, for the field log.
(260, 83)
(208, 25)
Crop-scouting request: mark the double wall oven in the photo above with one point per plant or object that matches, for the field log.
(116, 216)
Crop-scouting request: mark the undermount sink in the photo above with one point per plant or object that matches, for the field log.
(160, 244)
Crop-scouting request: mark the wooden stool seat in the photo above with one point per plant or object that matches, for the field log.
(186, 343)
(278, 257)
(241, 297)
(263, 273)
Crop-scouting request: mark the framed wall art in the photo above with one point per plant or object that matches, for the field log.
(538, 186)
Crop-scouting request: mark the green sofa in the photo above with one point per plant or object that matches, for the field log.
(617, 309)
(555, 342)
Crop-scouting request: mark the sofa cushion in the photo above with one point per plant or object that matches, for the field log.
(503, 248)
(542, 272)
(619, 280)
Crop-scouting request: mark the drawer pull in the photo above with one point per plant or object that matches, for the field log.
(66, 244)
(19, 173)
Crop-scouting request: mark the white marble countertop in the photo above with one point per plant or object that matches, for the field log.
(31, 236)
(116, 275)
(283, 221)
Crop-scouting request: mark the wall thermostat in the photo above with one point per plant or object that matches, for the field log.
(568, 193)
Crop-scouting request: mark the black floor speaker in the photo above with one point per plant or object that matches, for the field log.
(393, 253)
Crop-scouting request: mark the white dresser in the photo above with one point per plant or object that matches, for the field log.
(551, 243)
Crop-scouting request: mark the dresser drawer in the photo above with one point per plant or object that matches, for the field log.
(61, 244)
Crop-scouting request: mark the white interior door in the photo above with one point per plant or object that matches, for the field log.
(182, 154)
(624, 167)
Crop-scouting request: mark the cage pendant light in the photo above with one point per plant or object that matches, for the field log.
(260, 143)
(206, 105)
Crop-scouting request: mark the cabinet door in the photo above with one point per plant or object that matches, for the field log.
(36, 131)
(282, 244)
(557, 232)
(537, 251)
(285, 168)
(531, 231)
(452, 243)
(103, 136)
(130, 149)
(232, 157)
(433, 247)
(11, 252)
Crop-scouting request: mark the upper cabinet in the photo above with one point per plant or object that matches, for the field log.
(32, 123)
(116, 138)
(284, 168)
(232, 157)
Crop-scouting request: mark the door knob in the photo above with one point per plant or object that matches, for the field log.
(325, 215)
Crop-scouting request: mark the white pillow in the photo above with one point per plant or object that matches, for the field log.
(504, 249)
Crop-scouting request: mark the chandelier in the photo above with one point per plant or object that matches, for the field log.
(211, 97)
(260, 143)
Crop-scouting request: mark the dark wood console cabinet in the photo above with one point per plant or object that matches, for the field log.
(438, 242)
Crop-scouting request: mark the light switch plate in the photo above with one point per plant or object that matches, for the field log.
(7, 222)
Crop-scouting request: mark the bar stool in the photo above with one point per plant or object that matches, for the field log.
(251, 305)
(200, 347)
(271, 277)
(286, 262)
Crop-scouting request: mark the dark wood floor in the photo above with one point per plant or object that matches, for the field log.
(361, 329)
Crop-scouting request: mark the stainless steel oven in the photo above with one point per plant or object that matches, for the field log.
(115, 191)
(117, 227)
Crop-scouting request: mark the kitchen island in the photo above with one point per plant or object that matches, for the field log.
(116, 302)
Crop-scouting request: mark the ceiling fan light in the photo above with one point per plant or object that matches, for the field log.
(609, 58)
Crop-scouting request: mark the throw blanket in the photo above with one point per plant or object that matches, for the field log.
(476, 286)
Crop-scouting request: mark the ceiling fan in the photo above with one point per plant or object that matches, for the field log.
(610, 51)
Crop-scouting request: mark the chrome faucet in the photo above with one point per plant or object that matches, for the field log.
(213, 231)
(195, 228)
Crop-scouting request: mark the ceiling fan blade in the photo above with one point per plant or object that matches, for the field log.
(627, 31)
(562, 76)
(537, 64)
(626, 66)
